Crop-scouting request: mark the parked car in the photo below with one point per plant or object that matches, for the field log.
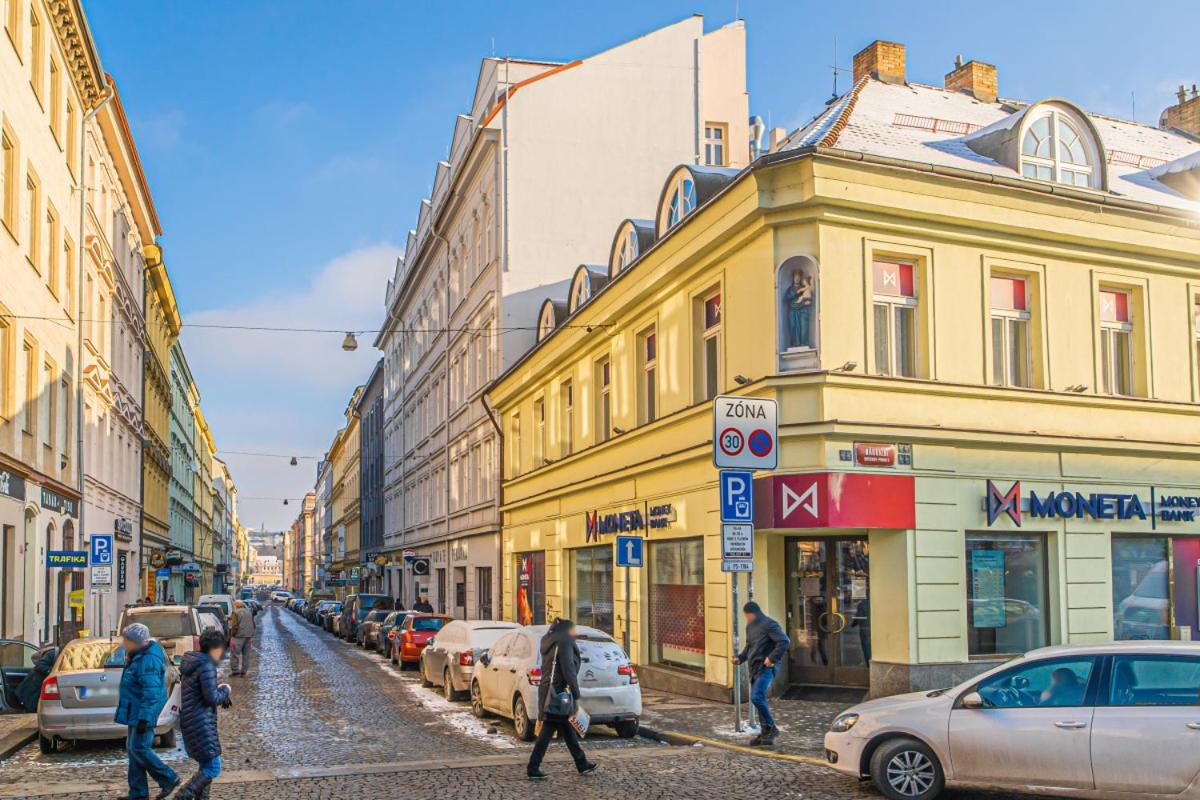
(1114, 720)
(505, 681)
(299, 605)
(225, 601)
(16, 662)
(79, 698)
(317, 615)
(413, 635)
(280, 596)
(449, 658)
(222, 619)
(177, 628)
(355, 609)
(368, 629)
(388, 631)
(329, 619)
(254, 605)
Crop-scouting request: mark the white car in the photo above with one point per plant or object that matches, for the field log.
(1115, 720)
(280, 596)
(505, 681)
(225, 601)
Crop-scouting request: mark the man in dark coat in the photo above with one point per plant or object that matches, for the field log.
(766, 646)
(423, 606)
(142, 696)
(200, 697)
(30, 689)
(560, 673)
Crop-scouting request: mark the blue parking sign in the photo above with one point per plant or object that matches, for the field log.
(629, 551)
(100, 550)
(737, 495)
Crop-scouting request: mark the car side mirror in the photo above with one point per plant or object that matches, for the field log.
(485, 659)
(429, 643)
(972, 700)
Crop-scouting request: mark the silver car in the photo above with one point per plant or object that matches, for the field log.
(449, 658)
(177, 628)
(79, 697)
(1115, 720)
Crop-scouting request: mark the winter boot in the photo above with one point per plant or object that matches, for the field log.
(757, 740)
(768, 736)
(194, 788)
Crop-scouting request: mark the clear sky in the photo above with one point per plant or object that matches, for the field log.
(288, 143)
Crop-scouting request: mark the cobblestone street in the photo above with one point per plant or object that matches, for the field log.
(318, 718)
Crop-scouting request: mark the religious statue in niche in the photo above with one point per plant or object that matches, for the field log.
(798, 301)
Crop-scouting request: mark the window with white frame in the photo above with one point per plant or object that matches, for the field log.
(566, 416)
(709, 346)
(603, 389)
(539, 432)
(715, 136)
(647, 376)
(515, 440)
(581, 291)
(683, 199)
(1116, 341)
(895, 318)
(1011, 352)
(628, 252)
(1054, 148)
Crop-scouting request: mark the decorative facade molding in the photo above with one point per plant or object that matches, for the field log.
(71, 28)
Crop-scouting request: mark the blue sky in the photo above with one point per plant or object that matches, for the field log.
(288, 143)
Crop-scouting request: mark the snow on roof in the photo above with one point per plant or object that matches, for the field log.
(931, 125)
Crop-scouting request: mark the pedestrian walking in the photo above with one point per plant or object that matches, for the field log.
(423, 606)
(142, 695)
(766, 646)
(200, 697)
(30, 688)
(241, 629)
(560, 671)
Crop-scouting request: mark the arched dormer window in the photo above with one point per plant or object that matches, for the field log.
(628, 251)
(549, 316)
(682, 199)
(1056, 147)
(585, 283)
(581, 291)
(632, 239)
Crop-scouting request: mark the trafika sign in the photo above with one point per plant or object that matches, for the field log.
(745, 433)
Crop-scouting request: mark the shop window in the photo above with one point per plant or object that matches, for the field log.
(566, 416)
(603, 384)
(1154, 586)
(647, 376)
(1154, 681)
(1007, 611)
(1049, 683)
(592, 568)
(530, 597)
(895, 318)
(483, 593)
(1116, 342)
(677, 603)
(1011, 353)
(708, 346)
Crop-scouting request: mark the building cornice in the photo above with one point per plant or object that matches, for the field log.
(83, 60)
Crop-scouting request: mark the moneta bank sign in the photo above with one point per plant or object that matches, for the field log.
(1092, 505)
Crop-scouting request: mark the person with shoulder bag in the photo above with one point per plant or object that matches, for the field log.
(558, 698)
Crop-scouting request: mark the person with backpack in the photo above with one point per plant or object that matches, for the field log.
(558, 696)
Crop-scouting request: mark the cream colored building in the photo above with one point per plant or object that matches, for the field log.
(547, 155)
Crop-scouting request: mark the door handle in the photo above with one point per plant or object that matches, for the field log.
(1070, 725)
(1194, 726)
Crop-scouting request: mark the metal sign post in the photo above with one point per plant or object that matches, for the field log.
(630, 553)
(737, 668)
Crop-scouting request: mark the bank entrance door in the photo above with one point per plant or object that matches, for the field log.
(829, 611)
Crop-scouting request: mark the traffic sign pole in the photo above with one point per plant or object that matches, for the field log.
(737, 668)
(627, 639)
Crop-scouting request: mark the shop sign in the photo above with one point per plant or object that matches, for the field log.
(123, 528)
(1093, 505)
(158, 560)
(75, 599)
(122, 571)
(835, 500)
(174, 556)
(12, 485)
(875, 454)
(336, 581)
(56, 502)
(66, 559)
(658, 517)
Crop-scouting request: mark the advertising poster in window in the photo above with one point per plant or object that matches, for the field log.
(987, 589)
(531, 588)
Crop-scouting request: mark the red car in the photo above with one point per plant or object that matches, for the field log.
(411, 637)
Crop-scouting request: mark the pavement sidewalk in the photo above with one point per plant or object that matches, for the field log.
(16, 731)
(681, 720)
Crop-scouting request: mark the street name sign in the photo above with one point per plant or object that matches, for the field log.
(745, 432)
(630, 551)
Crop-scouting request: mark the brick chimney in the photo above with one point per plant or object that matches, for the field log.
(1185, 115)
(975, 78)
(881, 60)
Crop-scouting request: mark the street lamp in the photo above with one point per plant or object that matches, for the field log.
(349, 344)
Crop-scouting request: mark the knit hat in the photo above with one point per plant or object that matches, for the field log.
(751, 608)
(137, 633)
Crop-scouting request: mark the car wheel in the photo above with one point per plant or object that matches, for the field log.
(167, 739)
(392, 655)
(626, 728)
(424, 678)
(448, 686)
(907, 769)
(521, 721)
(477, 701)
(47, 744)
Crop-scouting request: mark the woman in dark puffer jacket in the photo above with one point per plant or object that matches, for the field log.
(200, 697)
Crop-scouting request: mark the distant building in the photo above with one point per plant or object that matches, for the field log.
(371, 458)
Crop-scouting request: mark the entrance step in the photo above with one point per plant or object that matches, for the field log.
(829, 694)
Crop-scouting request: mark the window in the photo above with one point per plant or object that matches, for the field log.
(539, 432)
(29, 357)
(677, 603)
(1152, 680)
(1141, 587)
(1010, 332)
(1006, 593)
(628, 252)
(64, 423)
(1196, 332)
(68, 258)
(648, 377)
(37, 53)
(8, 181)
(52, 255)
(55, 100)
(592, 568)
(33, 207)
(1048, 683)
(1053, 149)
(715, 135)
(48, 406)
(566, 417)
(581, 291)
(515, 443)
(483, 593)
(530, 594)
(603, 383)
(895, 317)
(1116, 342)
(708, 347)
(12, 24)
(683, 199)
(6, 365)
(72, 142)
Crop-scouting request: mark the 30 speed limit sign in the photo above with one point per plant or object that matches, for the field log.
(745, 433)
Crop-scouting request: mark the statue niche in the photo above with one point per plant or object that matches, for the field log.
(796, 286)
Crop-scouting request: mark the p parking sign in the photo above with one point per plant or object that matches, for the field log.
(100, 550)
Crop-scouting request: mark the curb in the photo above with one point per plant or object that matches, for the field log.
(15, 740)
(677, 739)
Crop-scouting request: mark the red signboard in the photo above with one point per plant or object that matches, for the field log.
(867, 454)
(835, 500)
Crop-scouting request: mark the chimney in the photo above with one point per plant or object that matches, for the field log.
(775, 138)
(975, 78)
(1185, 115)
(881, 60)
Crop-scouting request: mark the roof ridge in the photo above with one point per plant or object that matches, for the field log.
(835, 130)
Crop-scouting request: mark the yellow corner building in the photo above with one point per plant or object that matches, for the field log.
(979, 318)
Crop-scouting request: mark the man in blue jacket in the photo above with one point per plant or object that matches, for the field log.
(766, 646)
(142, 697)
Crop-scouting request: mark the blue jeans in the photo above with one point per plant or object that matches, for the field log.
(142, 760)
(211, 769)
(758, 695)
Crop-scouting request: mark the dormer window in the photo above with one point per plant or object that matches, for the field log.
(1054, 149)
(580, 292)
(683, 200)
(629, 248)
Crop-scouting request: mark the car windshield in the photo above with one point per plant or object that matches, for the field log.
(336, 607)
(208, 621)
(376, 616)
(372, 600)
(81, 656)
(428, 623)
(486, 637)
(164, 624)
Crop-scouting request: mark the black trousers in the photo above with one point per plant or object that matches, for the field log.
(567, 733)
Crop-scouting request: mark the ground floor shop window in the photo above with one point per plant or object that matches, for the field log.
(1006, 593)
(593, 595)
(531, 588)
(677, 603)
(1154, 585)
(483, 592)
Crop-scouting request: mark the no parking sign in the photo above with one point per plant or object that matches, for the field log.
(745, 432)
